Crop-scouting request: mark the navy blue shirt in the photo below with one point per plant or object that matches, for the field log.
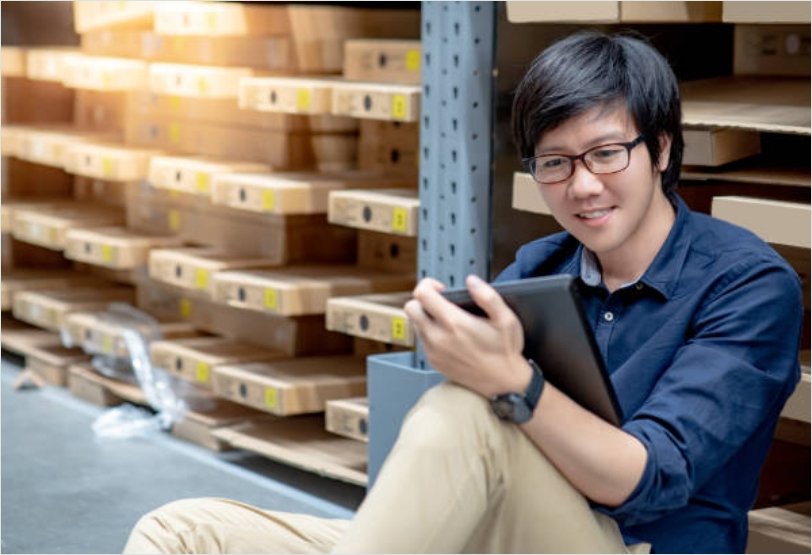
(703, 352)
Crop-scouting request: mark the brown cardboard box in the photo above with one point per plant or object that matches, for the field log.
(198, 426)
(387, 252)
(612, 12)
(798, 405)
(221, 19)
(103, 73)
(11, 205)
(778, 530)
(19, 254)
(784, 223)
(12, 61)
(527, 194)
(101, 111)
(292, 386)
(292, 193)
(195, 80)
(115, 247)
(32, 279)
(298, 291)
(765, 12)
(194, 174)
(27, 180)
(43, 102)
(48, 309)
(378, 317)
(390, 146)
(48, 226)
(383, 61)
(50, 362)
(193, 269)
(377, 101)
(715, 147)
(771, 50)
(348, 417)
(194, 359)
(84, 382)
(48, 64)
(386, 210)
(289, 95)
(91, 15)
(48, 145)
(109, 161)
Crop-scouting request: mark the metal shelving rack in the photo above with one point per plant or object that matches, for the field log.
(456, 127)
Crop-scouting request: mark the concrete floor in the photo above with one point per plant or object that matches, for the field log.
(65, 491)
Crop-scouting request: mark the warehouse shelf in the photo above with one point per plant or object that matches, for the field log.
(378, 316)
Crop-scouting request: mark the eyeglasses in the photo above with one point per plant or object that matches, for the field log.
(555, 168)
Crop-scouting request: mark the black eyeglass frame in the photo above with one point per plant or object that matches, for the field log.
(529, 163)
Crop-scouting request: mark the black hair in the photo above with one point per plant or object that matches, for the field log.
(589, 69)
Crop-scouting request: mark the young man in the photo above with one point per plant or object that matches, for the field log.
(698, 322)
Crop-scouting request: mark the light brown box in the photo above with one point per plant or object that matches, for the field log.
(83, 383)
(771, 50)
(194, 359)
(671, 12)
(783, 223)
(33, 279)
(18, 254)
(91, 15)
(103, 73)
(765, 12)
(198, 425)
(715, 147)
(377, 101)
(527, 194)
(612, 12)
(383, 61)
(798, 405)
(109, 161)
(11, 205)
(48, 227)
(386, 210)
(193, 269)
(32, 102)
(303, 443)
(348, 417)
(97, 335)
(379, 317)
(26, 180)
(778, 530)
(48, 64)
(194, 175)
(12, 61)
(48, 145)
(50, 362)
(390, 146)
(292, 193)
(11, 139)
(289, 95)
(297, 291)
(101, 111)
(291, 386)
(221, 19)
(115, 247)
(48, 309)
(387, 252)
(195, 80)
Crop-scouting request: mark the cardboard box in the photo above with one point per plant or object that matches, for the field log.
(292, 193)
(193, 359)
(193, 269)
(49, 309)
(26, 180)
(50, 362)
(756, 172)
(383, 61)
(194, 175)
(289, 95)
(298, 291)
(195, 80)
(48, 64)
(12, 61)
(379, 317)
(303, 443)
(115, 247)
(198, 426)
(784, 223)
(715, 147)
(33, 279)
(91, 15)
(389, 146)
(798, 405)
(109, 161)
(527, 194)
(11, 205)
(613, 12)
(292, 386)
(778, 530)
(18, 254)
(103, 73)
(48, 226)
(771, 50)
(48, 145)
(30, 102)
(87, 384)
(377, 101)
(221, 19)
(387, 252)
(101, 111)
(765, 12)
(348, 417)
(771, 104)
(387, 210)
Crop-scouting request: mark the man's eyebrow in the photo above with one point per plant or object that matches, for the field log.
(606, 138)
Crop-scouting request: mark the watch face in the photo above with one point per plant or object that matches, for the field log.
(511, 407)
(503, 407)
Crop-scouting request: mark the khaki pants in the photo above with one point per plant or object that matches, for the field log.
(457, 480)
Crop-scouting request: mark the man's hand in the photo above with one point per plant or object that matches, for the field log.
(482, 354)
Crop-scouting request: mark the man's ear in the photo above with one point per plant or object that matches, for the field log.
(665, 152)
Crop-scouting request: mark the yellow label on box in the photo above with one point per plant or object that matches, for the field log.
(107, 166)
(271, 397)
(302, 99)
(54, 236)
(174, 193)
(211, 21)
(268, 201)
(400, 219)
(106, 80)
(201, 278)
(202, 183)
(174, 220)
(202, 85)
(413, 60)
(271, 299)
(399, 328)
(107, 253)
(202, 372)
(174, 103)
(174, 132)
(107, 344)
(399, 106)
(185, 308)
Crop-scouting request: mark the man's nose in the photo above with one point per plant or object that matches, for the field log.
(583, 182)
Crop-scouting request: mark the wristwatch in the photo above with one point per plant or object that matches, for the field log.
(517, 407)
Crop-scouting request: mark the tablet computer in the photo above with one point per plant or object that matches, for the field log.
(558, 337)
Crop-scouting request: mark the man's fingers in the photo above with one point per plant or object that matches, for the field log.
(488, 299)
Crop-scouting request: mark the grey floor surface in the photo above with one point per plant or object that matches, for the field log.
(65, 491)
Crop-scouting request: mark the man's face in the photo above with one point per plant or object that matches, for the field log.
(611, 214)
